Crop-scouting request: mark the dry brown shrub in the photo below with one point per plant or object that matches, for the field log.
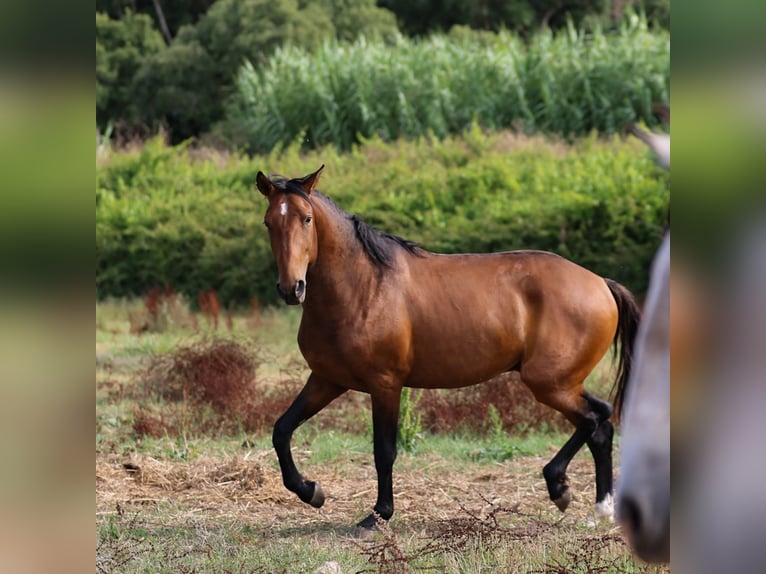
(497, 525)
(218, 371)
(589, 556)
(207, 387)
(467, 408)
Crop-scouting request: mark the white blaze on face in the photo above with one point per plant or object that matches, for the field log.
(283, 208)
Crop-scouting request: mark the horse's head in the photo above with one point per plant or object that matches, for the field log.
(290, 221)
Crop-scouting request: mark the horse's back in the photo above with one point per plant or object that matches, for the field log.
(505, 282)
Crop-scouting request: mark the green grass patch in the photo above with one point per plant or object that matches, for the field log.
(319, 445)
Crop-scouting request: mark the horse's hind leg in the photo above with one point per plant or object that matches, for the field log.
(590, 417)
(313, 398)
(600, 445)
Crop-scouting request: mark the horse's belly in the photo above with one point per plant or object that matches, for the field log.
(451, 366)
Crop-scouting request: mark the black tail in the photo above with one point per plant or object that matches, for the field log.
(627, 326)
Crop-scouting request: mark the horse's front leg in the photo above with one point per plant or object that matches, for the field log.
(385, 419)
(313, 398)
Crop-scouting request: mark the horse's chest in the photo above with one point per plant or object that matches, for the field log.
(323, 345)
(348, 352)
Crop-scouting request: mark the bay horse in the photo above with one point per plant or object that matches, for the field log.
(380, 313)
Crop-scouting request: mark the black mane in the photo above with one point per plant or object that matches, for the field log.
(379, 246)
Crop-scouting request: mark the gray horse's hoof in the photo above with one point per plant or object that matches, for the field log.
(563, 501)
(317, 499)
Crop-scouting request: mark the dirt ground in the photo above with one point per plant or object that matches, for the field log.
(250, 488)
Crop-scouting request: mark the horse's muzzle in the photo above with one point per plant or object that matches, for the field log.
(643, 510)
(294, 296)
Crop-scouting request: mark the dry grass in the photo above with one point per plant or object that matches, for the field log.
(208, 482)
(497, 512)
(432, 492)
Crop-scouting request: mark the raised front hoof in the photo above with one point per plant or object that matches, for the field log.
(311, 493)
(367, 527)
(562, 502)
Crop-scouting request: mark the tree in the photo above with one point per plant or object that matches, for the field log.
(354, 17)
(177, 13)
(121, 48)
(185, 86)
(176, 88)
(419, 17)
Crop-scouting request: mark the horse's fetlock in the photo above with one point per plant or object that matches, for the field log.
(384, 512)
(291, 485)
(551, 473)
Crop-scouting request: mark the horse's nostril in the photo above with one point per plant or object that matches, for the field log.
(280, 292)
(630, 515)
(300, 287)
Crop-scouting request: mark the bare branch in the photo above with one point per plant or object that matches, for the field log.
(163, 23)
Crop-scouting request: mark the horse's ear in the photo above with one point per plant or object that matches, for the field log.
(264, 184)
(309, 182)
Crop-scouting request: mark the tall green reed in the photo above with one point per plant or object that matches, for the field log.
(569, 83)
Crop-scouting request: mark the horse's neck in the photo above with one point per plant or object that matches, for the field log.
(342, 267)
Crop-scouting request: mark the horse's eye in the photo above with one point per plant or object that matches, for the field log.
(307, 220)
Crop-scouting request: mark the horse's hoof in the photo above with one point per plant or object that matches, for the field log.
(563, 501)
(317, 499)
(367, 527)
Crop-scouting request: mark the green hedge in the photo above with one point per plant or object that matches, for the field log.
(568, 83)
(169, 216)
